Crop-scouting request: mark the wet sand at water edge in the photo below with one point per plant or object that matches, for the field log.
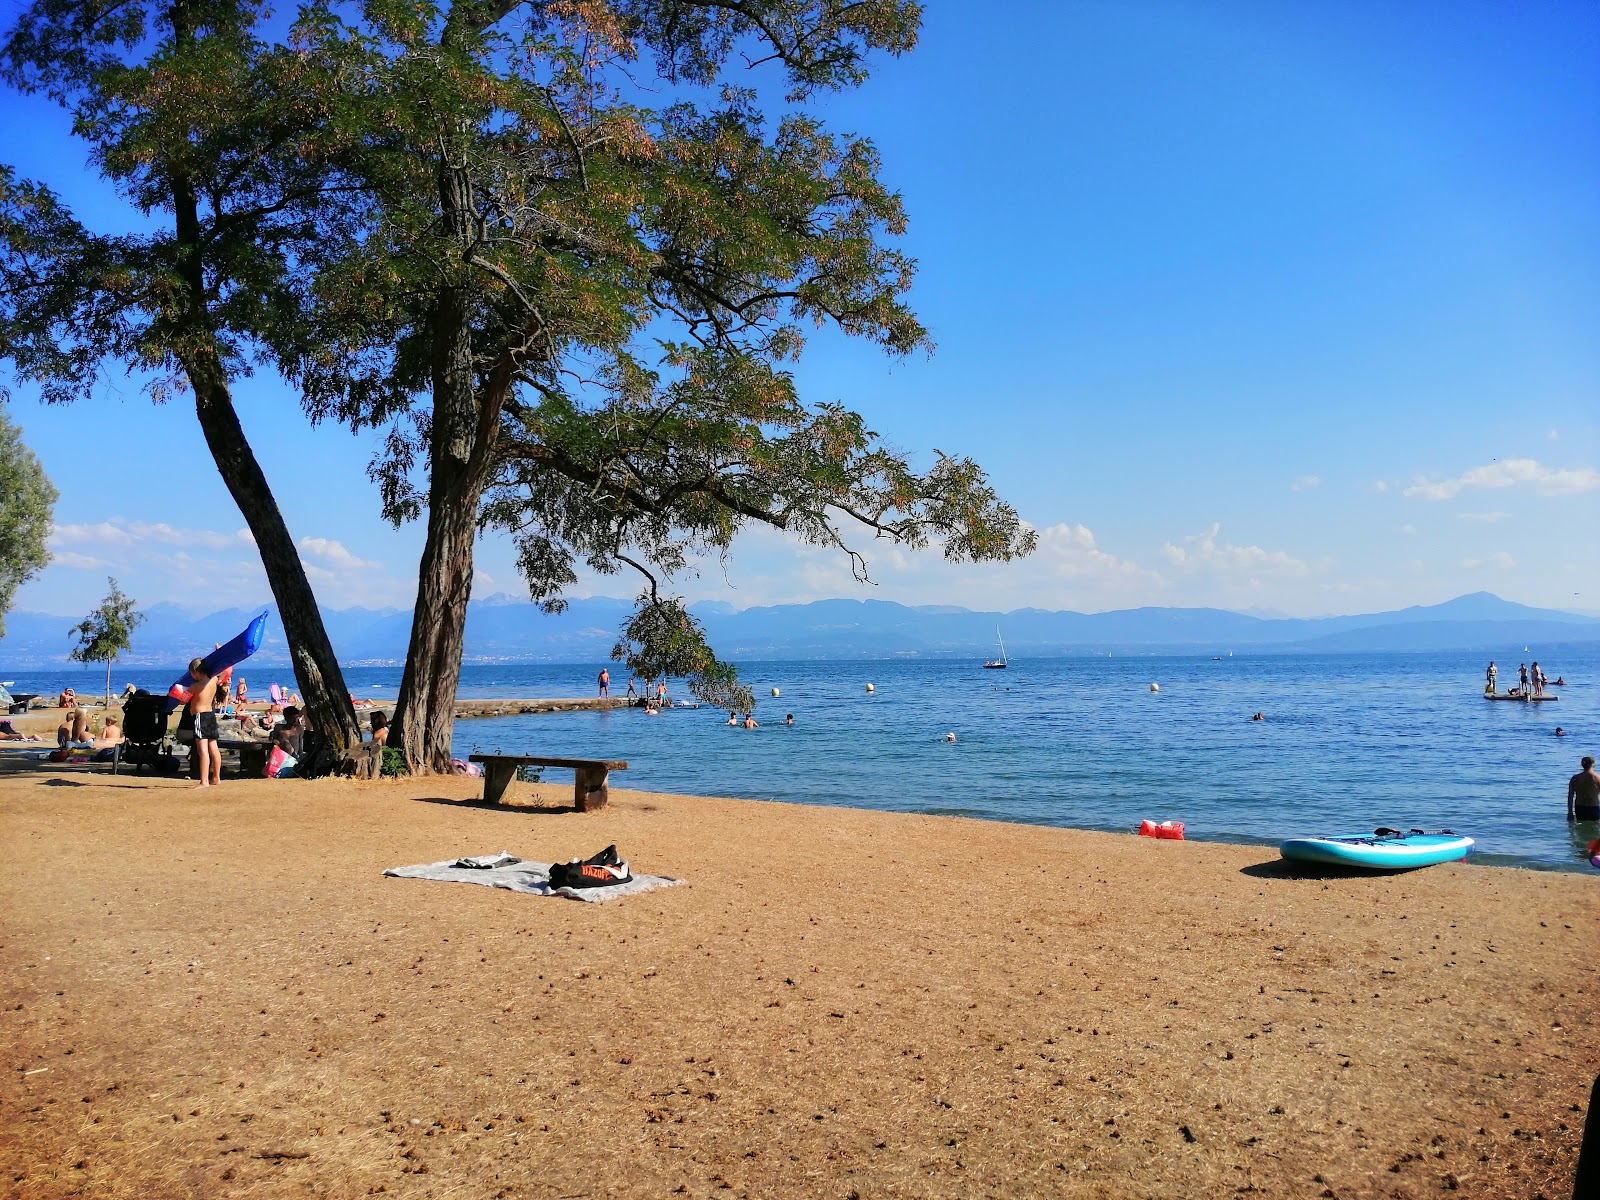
(219, 994)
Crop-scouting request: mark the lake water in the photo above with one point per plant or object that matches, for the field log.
(1350, 742)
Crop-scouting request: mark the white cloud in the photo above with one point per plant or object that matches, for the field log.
(1202, 551)
(1554, 435)
(1547, 481)
(68, 558)
(334, 554)
(118, 531)
(1306, 483)
(1380, 485)
(1071, 552)
(1483, 516)
(1408, 529)
(1500, 560)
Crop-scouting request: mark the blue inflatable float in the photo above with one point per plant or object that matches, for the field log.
(227, 655)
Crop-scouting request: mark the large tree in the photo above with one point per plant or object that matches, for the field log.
(27, 498)
(218, 143)
(574, 299)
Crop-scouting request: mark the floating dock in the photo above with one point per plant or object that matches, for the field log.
(1518, 699)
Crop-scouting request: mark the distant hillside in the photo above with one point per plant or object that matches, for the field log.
(500, 629)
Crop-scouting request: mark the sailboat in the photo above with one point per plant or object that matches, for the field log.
(997, 664)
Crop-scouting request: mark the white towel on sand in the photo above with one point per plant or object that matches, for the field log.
(503, 870)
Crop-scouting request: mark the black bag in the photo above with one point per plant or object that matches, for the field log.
(599, 870)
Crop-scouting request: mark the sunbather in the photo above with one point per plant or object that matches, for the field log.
(74, 730)
(67, 699)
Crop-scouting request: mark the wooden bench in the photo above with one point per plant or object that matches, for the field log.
(589, 789)
(252, 755)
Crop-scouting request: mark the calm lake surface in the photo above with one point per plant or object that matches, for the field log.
(1350, 742)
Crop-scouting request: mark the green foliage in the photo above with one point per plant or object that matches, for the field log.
(662, 641)
(394, 762)
(629, 273)
(27, 499)
(187, 112)
(108, 631)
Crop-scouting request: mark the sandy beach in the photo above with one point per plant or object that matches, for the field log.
(218, 993)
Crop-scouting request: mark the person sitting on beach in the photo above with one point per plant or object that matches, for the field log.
(110, 733)
(750, 721)
(1583, 793)
(8, 733)
(67, 699)
(73, 732)
(288, 741)
(380, 728)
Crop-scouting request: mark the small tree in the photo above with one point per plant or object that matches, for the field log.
(107, 632)
(26, 500)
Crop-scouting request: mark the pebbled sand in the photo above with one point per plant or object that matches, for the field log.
(219, 994)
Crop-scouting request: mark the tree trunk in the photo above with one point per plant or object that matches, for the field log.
(425, 712)
(460, 446)
(316, 669)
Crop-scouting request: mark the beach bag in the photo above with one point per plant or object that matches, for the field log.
(278, 760)
(599, 870)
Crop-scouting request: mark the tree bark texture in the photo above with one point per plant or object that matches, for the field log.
(425, 712)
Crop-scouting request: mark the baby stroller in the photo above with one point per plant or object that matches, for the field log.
(144, 726)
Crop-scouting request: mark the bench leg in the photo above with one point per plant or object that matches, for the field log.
(496, 778)
(590, 789)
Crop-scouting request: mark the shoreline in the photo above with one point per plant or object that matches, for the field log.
(836, 999)
(42, 722)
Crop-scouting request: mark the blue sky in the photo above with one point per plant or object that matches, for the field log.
(1276, 307)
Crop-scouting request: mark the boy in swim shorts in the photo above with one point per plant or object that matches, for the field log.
(201, 699)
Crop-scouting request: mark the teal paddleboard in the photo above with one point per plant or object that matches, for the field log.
(1380, 850)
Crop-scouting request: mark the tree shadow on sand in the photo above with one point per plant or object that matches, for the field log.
(516, 810)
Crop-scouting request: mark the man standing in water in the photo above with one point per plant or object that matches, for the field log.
(1492, 679)
(1583, 793)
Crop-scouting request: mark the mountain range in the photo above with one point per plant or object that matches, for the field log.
(503, 629)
